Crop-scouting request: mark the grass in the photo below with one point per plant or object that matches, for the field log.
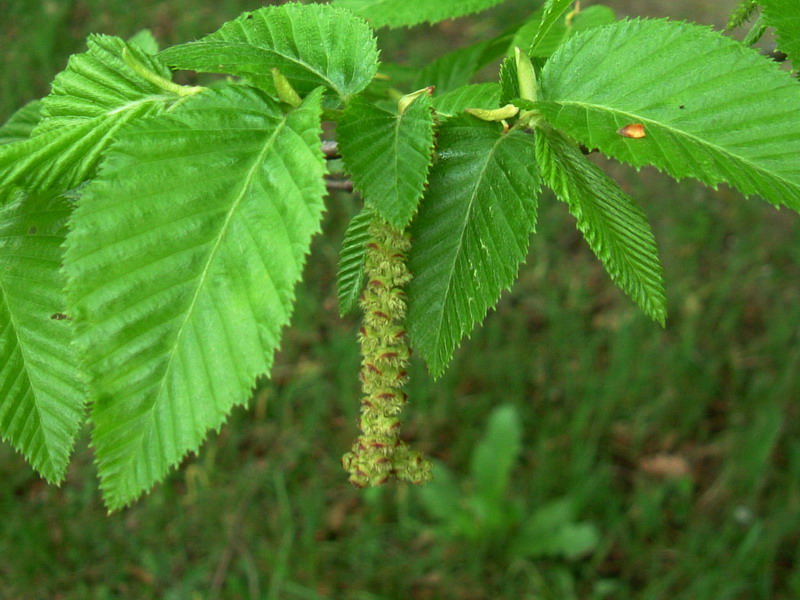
(680, 446)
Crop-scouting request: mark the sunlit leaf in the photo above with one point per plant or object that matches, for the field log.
(471, 232)
(710, 108)
(41, 389)
(182, 261)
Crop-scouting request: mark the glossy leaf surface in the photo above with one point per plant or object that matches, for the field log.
(471, 232)
(711, 108)
(611, 222)
(388, 155)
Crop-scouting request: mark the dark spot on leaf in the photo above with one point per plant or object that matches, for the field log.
(249, 16)
(32, 230)
(682, 106)
(60, 317)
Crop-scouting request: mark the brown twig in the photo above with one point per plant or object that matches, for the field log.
(339, 185)
(330, 148)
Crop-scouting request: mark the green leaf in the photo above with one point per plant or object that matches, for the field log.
(93, 99)
(560, 30)
(390, 78)
(545, 44)
(496, 454)
(19, 127)
(41, 392)
(471, 232)
(312, 45)
(784, 16)
(388, 155)
(612, 223)
(98, 84)
(477, 95)
(352, 258)
(757, 31)
(182, 262)
(401, 13)
(592, 16)
(509, 80)
(145, 40)
(552, 23)
(711, 108)
(457, 68)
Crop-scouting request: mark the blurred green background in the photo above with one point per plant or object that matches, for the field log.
(639, 463)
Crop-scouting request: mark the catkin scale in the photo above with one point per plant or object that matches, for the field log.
(379, 455)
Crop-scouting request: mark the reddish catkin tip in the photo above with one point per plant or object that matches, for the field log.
(633, 130)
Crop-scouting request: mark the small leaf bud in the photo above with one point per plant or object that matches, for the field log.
(495, 114)
(284, 88)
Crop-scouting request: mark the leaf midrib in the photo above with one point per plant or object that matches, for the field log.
(10, 153)
(292, 59)
(468, 213)
(546, 16)
(134, 456)
(680, 133)
(28, 375)
(585, 194)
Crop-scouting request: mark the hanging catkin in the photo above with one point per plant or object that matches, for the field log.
(379, 454)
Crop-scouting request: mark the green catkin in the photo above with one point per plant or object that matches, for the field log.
(379, 454)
